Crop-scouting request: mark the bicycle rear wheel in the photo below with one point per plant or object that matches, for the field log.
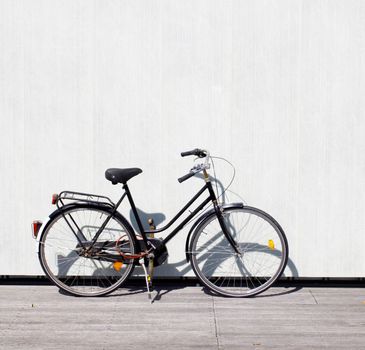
(63, 255)
(263, 252)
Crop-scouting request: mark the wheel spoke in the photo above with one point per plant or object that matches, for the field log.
(251, 272)
(67, 264)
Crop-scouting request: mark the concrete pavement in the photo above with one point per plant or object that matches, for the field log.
(182, 317)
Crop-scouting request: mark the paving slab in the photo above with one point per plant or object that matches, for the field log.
(182, 316)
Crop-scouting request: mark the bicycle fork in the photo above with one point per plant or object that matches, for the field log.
(219, 215)
(225, 230)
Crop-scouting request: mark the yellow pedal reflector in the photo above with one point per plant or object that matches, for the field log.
(117, 265)
(271, 244)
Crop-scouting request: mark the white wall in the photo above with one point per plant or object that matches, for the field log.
(275, 86)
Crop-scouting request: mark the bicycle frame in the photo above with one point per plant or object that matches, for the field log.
(211, 198)
(144, 233)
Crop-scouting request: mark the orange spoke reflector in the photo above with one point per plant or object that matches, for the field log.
(271, 244)
(117, 265)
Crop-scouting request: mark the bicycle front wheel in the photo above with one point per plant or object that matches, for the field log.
(262, 257)
(68, 259)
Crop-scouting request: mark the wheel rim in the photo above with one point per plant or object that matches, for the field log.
(262, 258)
(68, 265)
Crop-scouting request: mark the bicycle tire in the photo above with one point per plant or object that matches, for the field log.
(59, 250)
(225, 272)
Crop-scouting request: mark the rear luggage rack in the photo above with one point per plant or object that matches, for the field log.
(81, 197)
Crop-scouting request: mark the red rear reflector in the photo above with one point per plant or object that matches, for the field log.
(54, 198)
(36, 225)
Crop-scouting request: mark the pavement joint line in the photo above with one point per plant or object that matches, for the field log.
(108, 324)
(215, 325)
(310, 291)
(323, 340)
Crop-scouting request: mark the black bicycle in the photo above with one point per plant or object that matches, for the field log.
(87, 248)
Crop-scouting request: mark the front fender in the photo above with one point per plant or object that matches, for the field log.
(201, 219)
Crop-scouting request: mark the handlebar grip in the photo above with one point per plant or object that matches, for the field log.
(195, 152)
(185, 177)
(190, 153)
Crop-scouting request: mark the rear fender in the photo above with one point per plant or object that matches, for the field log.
(80, 204)
(201, 219)
(107, 207)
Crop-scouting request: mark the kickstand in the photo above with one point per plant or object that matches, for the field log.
(148, 277)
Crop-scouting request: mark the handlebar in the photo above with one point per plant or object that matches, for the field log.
(195, 152)
(200, 153)
(185, 177)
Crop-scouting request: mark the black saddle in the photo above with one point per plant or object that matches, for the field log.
(121, 175)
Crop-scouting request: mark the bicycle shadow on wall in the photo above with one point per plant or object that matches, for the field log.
(181, 268)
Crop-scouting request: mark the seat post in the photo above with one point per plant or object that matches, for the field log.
(135, 213)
